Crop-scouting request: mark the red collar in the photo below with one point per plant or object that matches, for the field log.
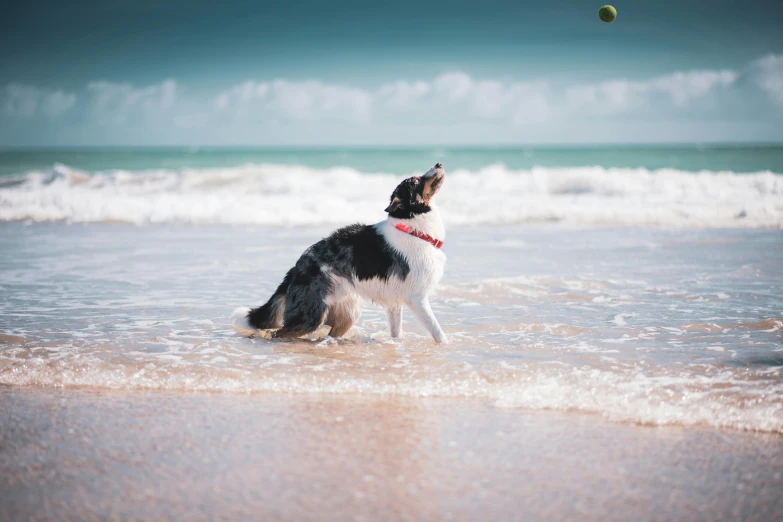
(437, 243)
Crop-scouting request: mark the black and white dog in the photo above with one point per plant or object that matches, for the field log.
(397, 261)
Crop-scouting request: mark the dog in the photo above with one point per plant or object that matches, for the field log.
(395, 262)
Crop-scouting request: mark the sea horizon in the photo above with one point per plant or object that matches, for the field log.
(403, 146)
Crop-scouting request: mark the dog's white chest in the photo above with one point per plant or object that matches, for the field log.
(425, 263)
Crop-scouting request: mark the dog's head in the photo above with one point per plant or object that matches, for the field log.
(414, 195)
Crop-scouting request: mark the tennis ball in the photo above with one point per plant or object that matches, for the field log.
(607, 14)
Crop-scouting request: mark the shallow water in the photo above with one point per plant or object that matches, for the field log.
(639, 325)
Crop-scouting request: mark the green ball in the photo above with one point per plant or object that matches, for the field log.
(607, 14)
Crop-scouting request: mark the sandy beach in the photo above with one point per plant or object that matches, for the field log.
(108, 455)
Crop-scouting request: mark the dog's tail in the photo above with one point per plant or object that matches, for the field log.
(267, 316)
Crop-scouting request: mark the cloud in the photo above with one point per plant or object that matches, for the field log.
(57, 103)
(238, 95)
(683, 87)
(28, 100)
(454, 106)
(450, 97)
(306, 101)
(455, 94)
(458, 94)
(313, 99)
(769, 75)
(120, 103)
(680, 89)
(402, 93)
(455, 86)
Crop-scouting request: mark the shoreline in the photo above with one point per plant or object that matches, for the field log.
(369, 397)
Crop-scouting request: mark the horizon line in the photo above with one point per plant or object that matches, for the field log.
(502, 146)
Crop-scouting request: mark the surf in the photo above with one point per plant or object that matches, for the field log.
(297, 195)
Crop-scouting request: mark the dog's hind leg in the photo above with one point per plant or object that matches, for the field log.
(394, 313)
(339, 321)
(343, 314)
(303, 321)
(305, 303)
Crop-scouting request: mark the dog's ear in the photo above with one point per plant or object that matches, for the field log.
(395, 204)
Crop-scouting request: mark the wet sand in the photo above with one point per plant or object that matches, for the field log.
(121, 455)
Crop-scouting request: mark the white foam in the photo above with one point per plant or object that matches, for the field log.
(292, 195)
(625, 393)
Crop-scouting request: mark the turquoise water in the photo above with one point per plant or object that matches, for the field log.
(404, 160)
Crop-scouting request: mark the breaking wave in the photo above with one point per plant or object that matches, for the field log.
(293, 195)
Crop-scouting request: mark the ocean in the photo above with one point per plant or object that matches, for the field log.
(672, 186)
(615, 317)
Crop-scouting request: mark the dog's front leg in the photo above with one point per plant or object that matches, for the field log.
(394, 313)
(421, 308)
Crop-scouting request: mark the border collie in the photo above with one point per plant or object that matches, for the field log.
(397, 261)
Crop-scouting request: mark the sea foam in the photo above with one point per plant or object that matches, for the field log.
(293, 195)
(734, 398)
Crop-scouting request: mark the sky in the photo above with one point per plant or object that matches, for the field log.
(345, 72)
